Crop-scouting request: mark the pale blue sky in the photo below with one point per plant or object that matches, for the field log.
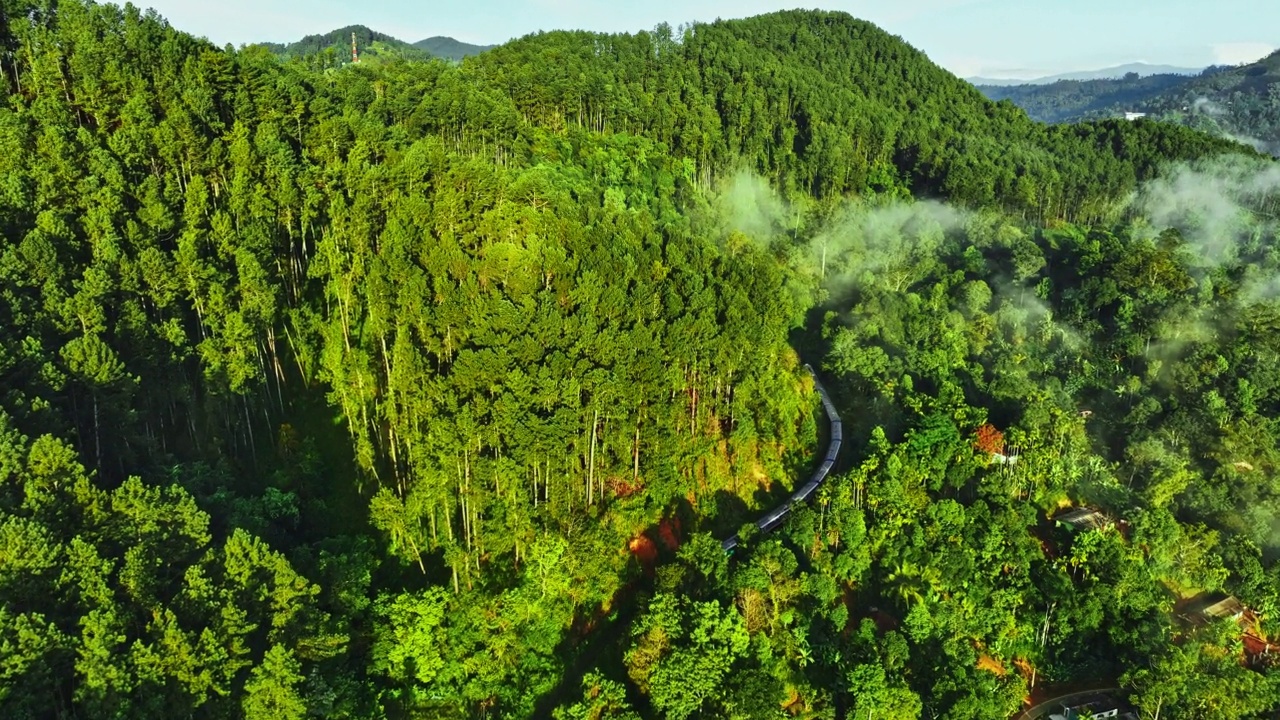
(1002, 38)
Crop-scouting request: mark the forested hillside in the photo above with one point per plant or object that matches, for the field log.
(1240, 103)
(1074, 100)
(1243, 102)
(450, 49)
(427, 390)
(333, 49)
(824, 105)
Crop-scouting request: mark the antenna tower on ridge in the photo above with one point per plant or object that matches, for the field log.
(355, 54)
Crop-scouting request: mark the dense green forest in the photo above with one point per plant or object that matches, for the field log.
(422, 389)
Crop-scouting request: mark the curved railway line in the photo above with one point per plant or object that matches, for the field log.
(772, 519)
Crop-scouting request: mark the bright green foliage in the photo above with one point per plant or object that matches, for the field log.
(869, 688)
(418, 389)
(602, 699)
(1201, 678)
(411, 649)
(271, 689)
(684, 652)
(119, 603)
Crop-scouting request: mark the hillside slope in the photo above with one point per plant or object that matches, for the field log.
(334, 48)
(1241, 102)
(450, 49)
(824, 104)
(1074, 100)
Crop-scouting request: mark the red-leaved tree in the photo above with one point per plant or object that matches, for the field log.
(989, 439)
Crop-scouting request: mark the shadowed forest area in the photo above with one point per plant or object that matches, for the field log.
(428, 389)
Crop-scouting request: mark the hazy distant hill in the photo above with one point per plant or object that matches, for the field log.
(1116, 72)
(1070, 100)
(1241, 102)
(447, 47)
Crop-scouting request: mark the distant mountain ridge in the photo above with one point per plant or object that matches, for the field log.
(1238, 102)
(339, 41)
(1115, 72)
(1074, 100)
(334, 47)
(447, 47)
(1242, 103)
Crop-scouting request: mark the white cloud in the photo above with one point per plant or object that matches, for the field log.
(1238, 53)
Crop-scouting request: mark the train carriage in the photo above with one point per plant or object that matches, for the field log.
(779, 514)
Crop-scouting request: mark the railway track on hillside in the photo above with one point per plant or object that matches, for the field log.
(772, 519)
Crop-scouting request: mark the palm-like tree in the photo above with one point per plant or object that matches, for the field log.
(913, 583)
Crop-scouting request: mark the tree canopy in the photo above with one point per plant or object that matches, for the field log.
(424, 389)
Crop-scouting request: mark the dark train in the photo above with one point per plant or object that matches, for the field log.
(775, 517)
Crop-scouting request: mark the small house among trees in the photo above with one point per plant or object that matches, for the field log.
(1085, 518)
(1208, 607)
(1093, 711)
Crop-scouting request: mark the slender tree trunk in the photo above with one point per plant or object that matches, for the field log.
(97, 433)
(635, 464)
(466, 489)
(248, 425)
(591, 462)
(417, 554)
